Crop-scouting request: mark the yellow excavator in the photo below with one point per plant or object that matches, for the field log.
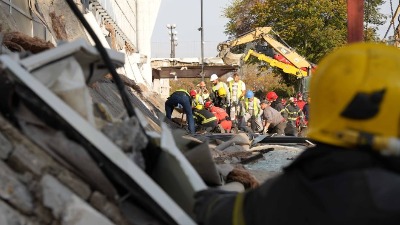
(269, 48)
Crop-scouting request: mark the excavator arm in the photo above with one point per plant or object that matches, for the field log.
(278, 54)
(287, 68)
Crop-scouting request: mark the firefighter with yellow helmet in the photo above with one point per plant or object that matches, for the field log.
(352, 175)
(220, 92)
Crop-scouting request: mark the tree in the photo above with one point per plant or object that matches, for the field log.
(373, 18)
(312, 28)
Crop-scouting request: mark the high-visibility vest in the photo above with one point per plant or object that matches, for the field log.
(196, 100)
(239, 89)
(256, 105)
(218, 86)
(182, 90)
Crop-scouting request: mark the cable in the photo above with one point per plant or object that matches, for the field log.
(151, 152)
(103, 53)
(392, 20)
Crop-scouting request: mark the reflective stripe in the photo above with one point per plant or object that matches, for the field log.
(209, 120)
(256, 109)
(238, 91)
(182, 90)
(204, 119)
(237, 214)
(196, 100)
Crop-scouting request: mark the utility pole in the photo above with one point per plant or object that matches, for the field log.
(173, 38)
(355, 20)
(201, 29)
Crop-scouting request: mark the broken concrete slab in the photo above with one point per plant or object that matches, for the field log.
(10, 216)
(65, 205)
(14, 191)
(5, 147)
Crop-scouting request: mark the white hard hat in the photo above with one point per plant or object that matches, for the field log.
(213, 77)
(229, 79)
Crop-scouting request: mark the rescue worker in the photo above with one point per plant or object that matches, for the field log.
(273, 121)
(205, 120)
(352, 176)
(292, 112)
(277, 105)
(237, 89)
(250, 112)
(196, 98)
(306, 113)
(306, 109)
(203, 91)
(224, 123)
(300, 102)
(220, 92)
(283, 102)
(181, 98)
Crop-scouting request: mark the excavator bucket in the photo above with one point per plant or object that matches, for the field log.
(275, 52)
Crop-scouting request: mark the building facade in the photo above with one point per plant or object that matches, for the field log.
(123, 25)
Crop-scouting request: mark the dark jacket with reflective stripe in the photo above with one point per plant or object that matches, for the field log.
(324, 185)
(293, 111)
(279, 107)
(204, 117)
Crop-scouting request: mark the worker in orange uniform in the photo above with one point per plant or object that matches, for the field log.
(352, 175)
(224, 123)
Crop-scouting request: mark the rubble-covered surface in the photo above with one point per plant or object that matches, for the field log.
(36, 189)
(39, 186)
(274, 161)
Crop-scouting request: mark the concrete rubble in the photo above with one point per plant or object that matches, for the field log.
(51, 173)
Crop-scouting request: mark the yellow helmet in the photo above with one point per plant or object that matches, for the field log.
(355, 91)
(199, 106)
(222, 92)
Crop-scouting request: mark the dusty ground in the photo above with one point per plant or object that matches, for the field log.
(273, 161)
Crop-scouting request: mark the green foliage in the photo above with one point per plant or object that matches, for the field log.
(372, 19)
(313, 28)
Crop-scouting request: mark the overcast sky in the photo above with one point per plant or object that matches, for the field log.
(186, 15)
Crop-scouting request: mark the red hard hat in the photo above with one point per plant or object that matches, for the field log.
(193, 93)
(207, 104)
(271, 96)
